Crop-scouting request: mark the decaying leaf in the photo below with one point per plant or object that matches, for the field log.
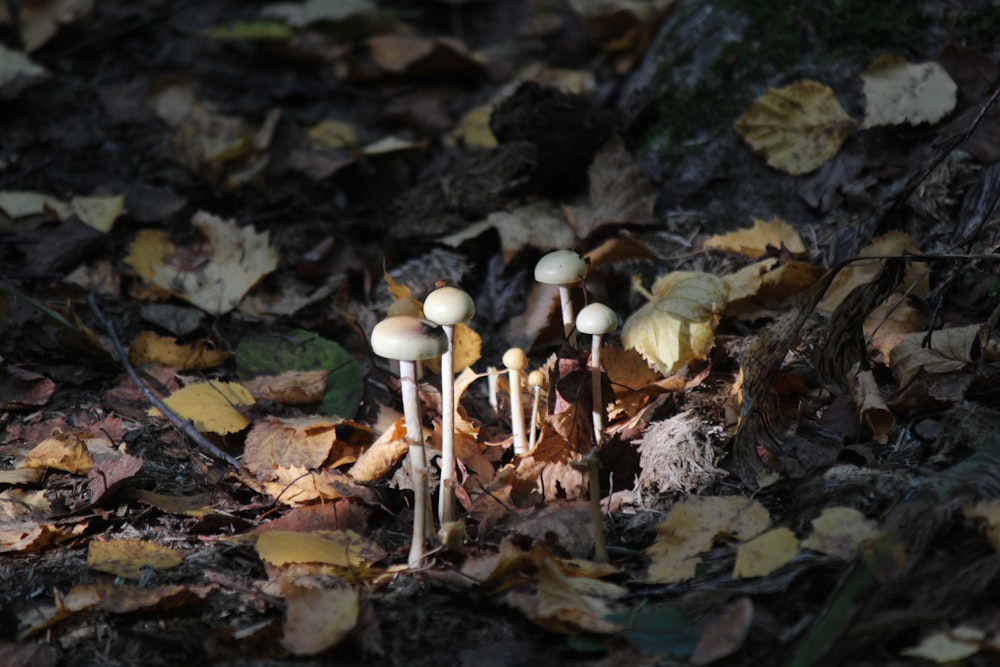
(536, 225)
(797, 128)
(765, 553)
(693, 526)
(755, 241)
(127, 558)
(343, 548)
(151, 348)
(678, 325)
(870, 403)
(283, 443)
(947, 647)
(839, 531)
(317, 617)
(897, 92)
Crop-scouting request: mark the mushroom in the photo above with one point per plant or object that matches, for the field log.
(562, 268)
(448, 306)
(596, 320)
(516, 360)
(536, 379)
(407, 339)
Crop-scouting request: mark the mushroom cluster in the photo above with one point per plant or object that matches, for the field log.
(406, 338)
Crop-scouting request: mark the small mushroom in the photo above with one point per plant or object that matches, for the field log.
(562, 268)
(516, 360)
(408, 339)
(596, 320)
(448, 306)
(536, 379)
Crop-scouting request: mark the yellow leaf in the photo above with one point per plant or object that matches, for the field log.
(149, 249)
(63, 451)
(151, 348)
(948, 646)
(333, 134)
(897, 92)
(127, 558)
(678, 325)
(383, 455)
(21, 204)
(797, 128)
(558, 604)
(317, 618)
(473, 129)
(839, 531)
(754, 241)
(210, 405)
(98, 212)
(343, 548)
(692, 527)
(765, 553)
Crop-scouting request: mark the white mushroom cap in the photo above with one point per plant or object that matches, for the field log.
(596, 319)
(449, 305)
(515, 359)
(561, 267)
(408, 338)
(536, 378)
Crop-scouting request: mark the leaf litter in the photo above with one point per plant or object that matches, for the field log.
(782, 433)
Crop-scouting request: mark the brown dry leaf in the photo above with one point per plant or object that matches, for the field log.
(692, 527)
(975, 75)
(63, 451)
(765, 287)
(275, 443)
(213, 275)
(108, 476)
(839, 532)
(151, 348)
(384, 454)
(897, 92)
(870, 403)
(128, 558)
(765, 553)
(21, 389)
(797, 128)
(212, 406)
(620, 192)
(625, 28)
(726, 632)
(539, 225)
(916, 281)
(755, 241)
(895, 317)
(950, 350)
(290, 387)
(559, 606)
(316, 617)
(27, 536)
(678, 325)
(197, 505)
(342, 548)
(567, 524)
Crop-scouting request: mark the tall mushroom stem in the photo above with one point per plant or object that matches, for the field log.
(418, 460)
(535, 380)
(566, 301)
(515, 360)
(446, 499)
(596, 320)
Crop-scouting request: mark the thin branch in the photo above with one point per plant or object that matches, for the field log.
(185, 426)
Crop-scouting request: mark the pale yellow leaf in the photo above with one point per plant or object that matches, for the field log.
(211, 406)
(950, 350)
(539, 225)
(948, 646)
(333, 134)
(343, 548)
(693, 526)
(15, 65)
(755, 241)
(796, 128)
(765, 553)
(20, 204)
(678, 325)
(839, 531)
(62, 451)
(897, 92)
(915, 282)
(98, 212)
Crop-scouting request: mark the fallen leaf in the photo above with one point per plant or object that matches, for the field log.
(21, 389)
(128, 558)
(678, 325)
(539, 225)
(21, 204)
(839, 532)
(897, 92)
(765, 553)
(210, 405)
(99, 212)
(755, 241)
(63, 451)
(17, 72)
(151, 348)
(870, 403)
(317, 618)
(343, 548)
(725, 633)
(947, 647)
(797, 128)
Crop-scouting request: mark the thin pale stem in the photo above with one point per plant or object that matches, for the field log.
(446, 497)
(418, 460)
(517, 413)
(533, 433)
(569, 319)
(593, 467)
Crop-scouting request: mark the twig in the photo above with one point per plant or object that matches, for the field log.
(186, 426)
